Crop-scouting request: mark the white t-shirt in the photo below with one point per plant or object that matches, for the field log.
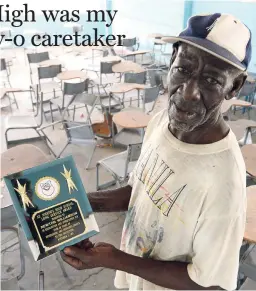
(188, 204)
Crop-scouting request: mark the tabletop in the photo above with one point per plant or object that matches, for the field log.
(135, 53)
(111, 59)
(154, 35)
(239, 127)
(233, 102)
(250, 228)
(6, 90)
(127, 66)
(126, 87)
(68, 75)
(249, 154)
(17, 159)
(131, 119)
(47, 63)
(159, 41)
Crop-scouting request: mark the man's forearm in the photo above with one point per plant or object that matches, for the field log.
(172, 275)
(111, 200)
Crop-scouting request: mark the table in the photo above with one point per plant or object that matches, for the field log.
(233, 102)
(4, 91)
(127, 66)
(126, 87)
(47, 63)
(239, 127)
(159, 42)
(111, 59)
(21, 157)
(68, 75)
(131, 119)
(136, 53)
(5, 98)
(155, 35)
(250, 229)
(249, 155)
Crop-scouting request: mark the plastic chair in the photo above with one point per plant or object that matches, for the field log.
(119, 165)
(76, 95)
(79, 133)
(138, 78)
(35, 58)
(5, 73)
(28, 122)
(47, 87)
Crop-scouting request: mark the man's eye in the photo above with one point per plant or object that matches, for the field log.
(211, 81)
(181, 70)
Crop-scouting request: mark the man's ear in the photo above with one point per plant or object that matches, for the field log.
(174, 53)
(237, 86)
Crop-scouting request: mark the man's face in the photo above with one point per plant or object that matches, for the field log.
(198, 83)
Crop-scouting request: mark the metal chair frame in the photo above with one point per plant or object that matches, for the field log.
(38, 128)
(132, 154)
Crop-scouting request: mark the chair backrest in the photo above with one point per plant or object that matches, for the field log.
(35, 58)
(105, 53)
(133, 154)
(247, 89)
(106, 67)
(48, 72)
(3, 65)
(129, 42)
(139, 78)
(75, 88)
(151, 94)
(113, 52)
(78, 132)
(155, 78)
(39, 109)
(134, 151)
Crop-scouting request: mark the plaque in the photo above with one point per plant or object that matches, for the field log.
(52, 206)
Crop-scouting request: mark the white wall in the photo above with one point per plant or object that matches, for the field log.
(142, 17)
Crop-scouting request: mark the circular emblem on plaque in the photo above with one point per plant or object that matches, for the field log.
(47, 188)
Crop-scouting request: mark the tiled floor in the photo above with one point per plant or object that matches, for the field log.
(110, 224)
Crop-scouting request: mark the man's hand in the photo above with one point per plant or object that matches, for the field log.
(85, 255)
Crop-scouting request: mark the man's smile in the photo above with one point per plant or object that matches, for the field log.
(181, 114)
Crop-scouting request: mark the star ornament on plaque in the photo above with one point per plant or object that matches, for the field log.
(70, 182)
(23, 194)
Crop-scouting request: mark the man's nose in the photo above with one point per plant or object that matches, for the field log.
(191, 90)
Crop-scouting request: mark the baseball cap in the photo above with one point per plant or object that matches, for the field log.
(221, 35)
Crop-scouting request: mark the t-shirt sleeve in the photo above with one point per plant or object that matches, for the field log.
(216, 247)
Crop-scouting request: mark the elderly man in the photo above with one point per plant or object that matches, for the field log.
(186, 197)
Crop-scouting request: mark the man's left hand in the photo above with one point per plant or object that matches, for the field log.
(94, 256)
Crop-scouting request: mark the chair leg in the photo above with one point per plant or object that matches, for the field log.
(105, 185)
(61, 266)
(51, 114)
(44, 135)
(40, 278)
(90, 158)
(6, 138)
(22, 259)
(15, 100)
(97, 176)
(74, 112)
(63, 149)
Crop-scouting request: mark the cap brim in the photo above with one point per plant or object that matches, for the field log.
(208, 46)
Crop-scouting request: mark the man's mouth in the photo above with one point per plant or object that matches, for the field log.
(183, 114)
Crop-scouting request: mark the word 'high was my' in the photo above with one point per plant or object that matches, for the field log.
(19, 16)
